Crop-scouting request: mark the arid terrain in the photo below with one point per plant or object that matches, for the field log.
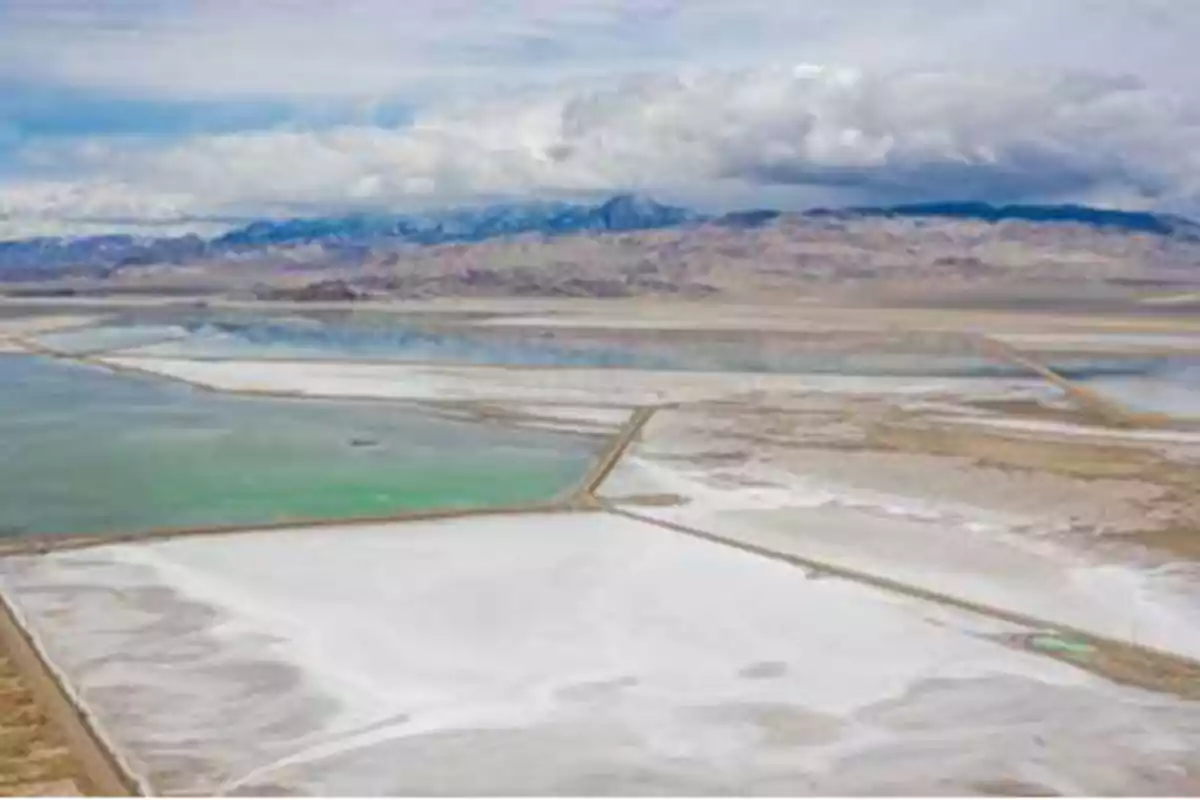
(817, 549)
(684, 398)
(849, 257)
(791, 256)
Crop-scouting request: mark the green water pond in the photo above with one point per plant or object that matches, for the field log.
(86, 451)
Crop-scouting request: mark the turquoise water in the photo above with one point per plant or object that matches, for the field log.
(85, 451)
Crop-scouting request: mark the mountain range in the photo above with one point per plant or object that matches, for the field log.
(97, 255)
(350, 237)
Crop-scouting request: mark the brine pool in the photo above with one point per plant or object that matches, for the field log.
(216, 336)
(1172, 387)
(85, 451)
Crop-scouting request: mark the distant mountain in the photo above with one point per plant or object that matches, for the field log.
(624, 212)
(348, 239)
(93, 255)
(97, 255)
(1133, 221)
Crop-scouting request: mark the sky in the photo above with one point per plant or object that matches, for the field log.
(175, 114)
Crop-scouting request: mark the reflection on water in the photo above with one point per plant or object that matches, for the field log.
(233, 335)
(82, 450)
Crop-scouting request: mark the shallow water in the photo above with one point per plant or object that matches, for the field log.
(309, 340)
(1172, 387)
(206, 335)
(82, 450)
(100, 338)
(209, 334)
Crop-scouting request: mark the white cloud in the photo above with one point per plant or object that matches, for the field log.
(945, 98)
(222, 49)
(895, 136)
(421, 49)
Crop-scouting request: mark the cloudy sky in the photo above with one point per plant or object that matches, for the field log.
(170, 114)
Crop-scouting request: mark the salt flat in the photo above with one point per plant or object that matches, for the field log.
(1037, 543)
(598, 387)
(588, 652)
(569, 653)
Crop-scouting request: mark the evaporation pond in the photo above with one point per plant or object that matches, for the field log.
(1172, 387)
(304, 338)
(86, 451)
